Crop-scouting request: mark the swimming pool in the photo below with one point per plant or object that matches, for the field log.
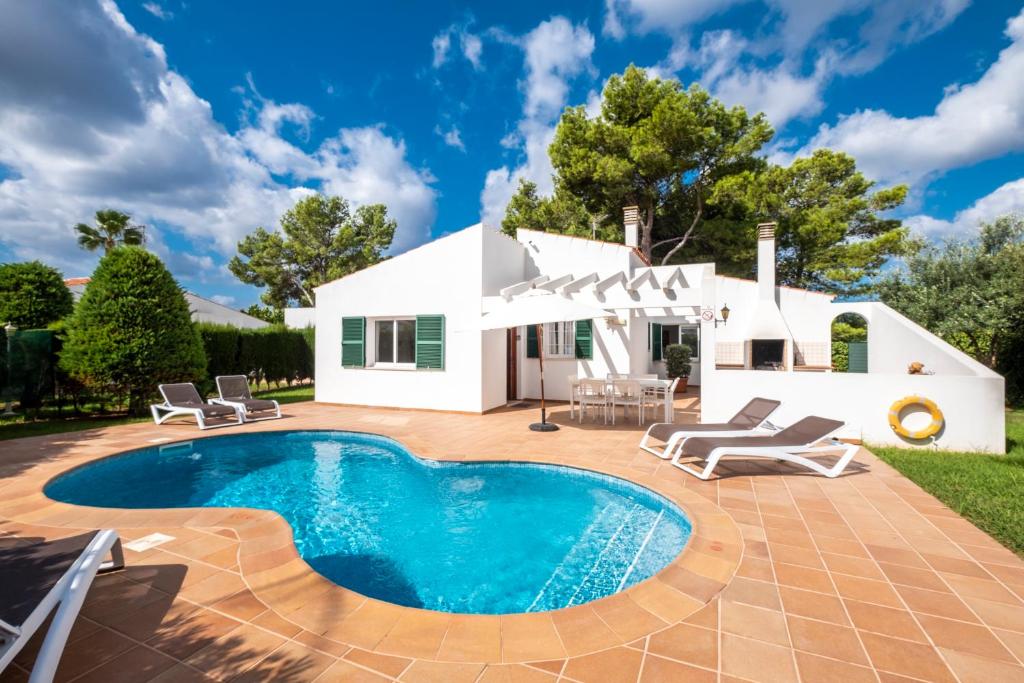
(486, 538)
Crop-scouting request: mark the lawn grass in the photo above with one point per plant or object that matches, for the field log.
(986, 489)
(51, 423)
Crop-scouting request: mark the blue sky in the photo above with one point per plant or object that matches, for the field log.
(207, 119)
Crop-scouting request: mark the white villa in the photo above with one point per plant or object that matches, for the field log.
(406, 333)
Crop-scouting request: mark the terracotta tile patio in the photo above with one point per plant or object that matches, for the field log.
(788, 577)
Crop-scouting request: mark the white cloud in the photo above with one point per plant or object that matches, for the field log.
(1006, 199)
(451, 137)
(223, 300)
(157, 10)
(555, 52)
(441, 43)
(612, 26)
(974, 122)
(92, 117)
(470, 45)
(765, 72)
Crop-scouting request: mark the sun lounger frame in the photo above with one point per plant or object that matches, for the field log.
(67, 596)
(240, 407)
(165, 411)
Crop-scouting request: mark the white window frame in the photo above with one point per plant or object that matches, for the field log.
(385, 365)
(566, 345)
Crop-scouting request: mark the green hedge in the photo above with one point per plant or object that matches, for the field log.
(272, 354)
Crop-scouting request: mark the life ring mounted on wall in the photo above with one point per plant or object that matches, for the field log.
(938, 420)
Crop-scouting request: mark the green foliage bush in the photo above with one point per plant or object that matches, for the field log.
(272, 354)
(132, 329)
(32, 295)
(677, 360)
(840, 356)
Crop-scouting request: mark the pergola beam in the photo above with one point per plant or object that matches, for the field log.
(520, 287)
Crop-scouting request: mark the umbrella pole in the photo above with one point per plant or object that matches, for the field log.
(543, 425)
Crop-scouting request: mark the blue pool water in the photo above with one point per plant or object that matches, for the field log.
(489, 538)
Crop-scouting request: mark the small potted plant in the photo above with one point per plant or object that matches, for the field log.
(677, 363)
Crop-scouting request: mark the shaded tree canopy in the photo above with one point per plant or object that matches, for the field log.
(320, 240)
(32, 295)
(113, 228)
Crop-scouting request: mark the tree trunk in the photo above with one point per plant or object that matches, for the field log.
(648, 227)
(689, 232)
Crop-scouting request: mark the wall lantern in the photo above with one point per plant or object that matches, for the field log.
(724, 313)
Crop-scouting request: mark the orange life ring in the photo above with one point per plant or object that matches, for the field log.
(938, 420)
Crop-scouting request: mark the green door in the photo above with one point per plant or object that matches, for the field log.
(858, 357)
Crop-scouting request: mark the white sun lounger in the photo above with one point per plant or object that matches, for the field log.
(234, 392)
(750, 420)
(791, 444)
(36, 578)
(183, 400)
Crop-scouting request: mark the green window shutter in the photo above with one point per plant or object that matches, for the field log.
(353, 342)
(656, 341)
(430, 342)
(858, 358)
(531, 341)
(585, 339)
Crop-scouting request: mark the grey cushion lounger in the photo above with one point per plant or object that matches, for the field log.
(749, 418)
(183, 399)
(234, 392)
(789, 444)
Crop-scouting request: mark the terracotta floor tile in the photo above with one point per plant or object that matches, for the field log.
(346, 672)
(803, 577)
(756, 660)
(686, 643)
(866, 590)
(973, 669)
(969, 638)
(658, 670)
(441, 672)
(998, 614)
(182, 673)
(91, 651)
(214, 588)
(616, 664)
(854, 566)
(933, 602)
(911, 576)
(756, 593)
(906, 658)
(290, 662)
(514, 673)
(582, 631)
(754, 622)
(242, 605)
(235, 652)
(527, 637)
(815, 668)
(829, 640)
(137, 664)
(385, 664)
(190, 632)
(418, 634)
(813, 605)
(275, 623)
(472, 639)
(885, 620)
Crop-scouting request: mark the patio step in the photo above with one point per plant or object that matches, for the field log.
(564, 579)
(618, 557)
(602, 559)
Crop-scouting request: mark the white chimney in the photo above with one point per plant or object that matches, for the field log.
(631, 223)
(766, 261)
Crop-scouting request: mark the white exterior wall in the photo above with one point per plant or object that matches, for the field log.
(441, 277)
(299, 318)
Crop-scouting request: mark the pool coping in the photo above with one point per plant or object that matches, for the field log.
(272, 569)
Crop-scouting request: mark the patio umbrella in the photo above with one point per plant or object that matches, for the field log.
(537, 307)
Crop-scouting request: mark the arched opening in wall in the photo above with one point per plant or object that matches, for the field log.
(850, 343)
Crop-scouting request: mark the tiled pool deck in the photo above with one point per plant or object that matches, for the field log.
(787, 577)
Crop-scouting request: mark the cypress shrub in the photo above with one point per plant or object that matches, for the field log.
(270, 354)
(132, 330)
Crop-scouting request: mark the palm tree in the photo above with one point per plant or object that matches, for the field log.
(112, 228)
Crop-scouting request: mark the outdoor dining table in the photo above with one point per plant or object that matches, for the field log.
(643, 382)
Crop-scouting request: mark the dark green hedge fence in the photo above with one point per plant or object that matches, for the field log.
(273, 354)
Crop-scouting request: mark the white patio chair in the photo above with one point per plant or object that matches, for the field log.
(788, 445)
(626, 393)
(593, 392)
(37, 578)
(574, 395)
(661, 397)
(234, 393)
